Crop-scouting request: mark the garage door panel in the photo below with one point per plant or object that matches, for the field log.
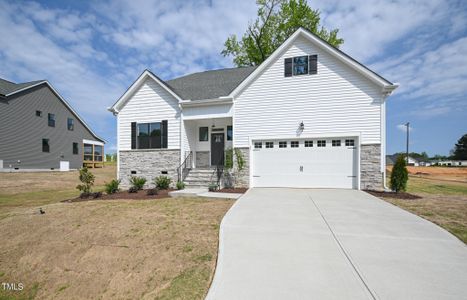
(314, 167)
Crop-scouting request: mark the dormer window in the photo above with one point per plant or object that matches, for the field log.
(301, 65)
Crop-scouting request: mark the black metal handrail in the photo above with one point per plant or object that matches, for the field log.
(185, 167)
(219, 171)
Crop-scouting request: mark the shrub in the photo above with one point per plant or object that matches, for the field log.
(399, 175)
(212, 187)
(228, 164)
(180, 185)
(240, 160)
(137, 182)
(112, 187)
(152, 192)
(162, 182)
(87, 179)
(132, 190)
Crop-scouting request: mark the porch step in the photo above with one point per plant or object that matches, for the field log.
(199, 177)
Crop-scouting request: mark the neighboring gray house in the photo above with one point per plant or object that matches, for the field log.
(40, 130)
(308, 116)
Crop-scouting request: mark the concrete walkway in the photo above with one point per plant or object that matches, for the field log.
(333, 244)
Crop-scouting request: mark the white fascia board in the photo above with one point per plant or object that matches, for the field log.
(309, 136)
(85, 141)
(217, 101)
(146, 74)
(64, 102)
(325, 46)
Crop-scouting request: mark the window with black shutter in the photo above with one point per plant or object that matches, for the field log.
(313, 67)
(288, 67)
(151, 135)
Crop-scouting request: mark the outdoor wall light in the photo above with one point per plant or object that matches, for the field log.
(301, 126)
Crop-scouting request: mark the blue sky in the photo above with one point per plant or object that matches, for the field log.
(92, 51)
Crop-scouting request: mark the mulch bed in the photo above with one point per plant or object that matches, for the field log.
(233, 190)
(400, 195)
(140, 195)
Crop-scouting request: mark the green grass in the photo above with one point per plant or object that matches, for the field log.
(433, 186)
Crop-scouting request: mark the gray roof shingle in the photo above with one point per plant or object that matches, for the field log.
(8, 87)
(209, 84)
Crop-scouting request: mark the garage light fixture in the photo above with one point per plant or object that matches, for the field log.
(301, 126)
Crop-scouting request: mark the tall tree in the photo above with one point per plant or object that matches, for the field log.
(276, 21)
(460, 149)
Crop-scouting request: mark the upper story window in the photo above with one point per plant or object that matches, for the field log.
(70, 124)
(51, 120)
(300, 65)
(204, 134)
(38, 113)
(149, 135)
(229, 133)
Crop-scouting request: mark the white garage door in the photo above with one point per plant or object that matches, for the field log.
(311, 163)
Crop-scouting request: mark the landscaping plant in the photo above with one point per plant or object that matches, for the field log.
(87, 181)
(180, 185)
(162, 182)
(228, 164)
(112, 186)
(152, 192)
(137, 182)
(212, 187)
(240, 160)
(399, 175)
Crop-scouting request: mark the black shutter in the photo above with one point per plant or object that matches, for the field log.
(288, 67)
(164, 134)
(313, 64)
(133, 135)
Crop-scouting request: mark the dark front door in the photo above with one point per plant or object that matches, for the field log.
(217, 149)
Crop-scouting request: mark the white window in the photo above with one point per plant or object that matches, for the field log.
(269, 144)
(321, 143)
(258, 145)
(336, 143)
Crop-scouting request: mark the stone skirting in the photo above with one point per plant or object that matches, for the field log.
(149, 164)
(242, 178)
(202, 159)
(370, 167)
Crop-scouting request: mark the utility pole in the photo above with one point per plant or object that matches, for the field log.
(407, 143)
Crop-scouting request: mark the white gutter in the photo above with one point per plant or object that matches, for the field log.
(191, 103)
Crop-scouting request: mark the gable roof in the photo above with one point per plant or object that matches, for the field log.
(209, 84)
(386, 85)
(8, 88)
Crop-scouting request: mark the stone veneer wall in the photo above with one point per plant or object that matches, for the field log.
(202, 159)
(149, 164)
(370, 164)
(242, 178)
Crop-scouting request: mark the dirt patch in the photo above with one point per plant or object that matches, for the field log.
(112, 249)
(124, 195)
(400, 195)
(453, 174)
(233, 190)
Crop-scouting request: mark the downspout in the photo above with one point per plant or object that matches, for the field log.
(383, 139)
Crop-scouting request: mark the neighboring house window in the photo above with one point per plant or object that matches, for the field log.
(45, 145)
(88, 152)
(71, 124)
(229, 133)
(336, 143)
(282, 144)
(150, 135)
(308, 143)
(75, 148)
(349, 143)
(300, 65)
(258, 145)
(321, 143)
(203, 134)
(269, 144)
(51, 119)
(98, 153)
(38, 113)
(294, 144)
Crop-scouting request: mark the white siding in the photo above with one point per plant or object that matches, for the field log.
(208, 112)
(150, 103)
(337, 99)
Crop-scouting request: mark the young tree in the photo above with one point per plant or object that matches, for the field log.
(399, 175)
(460, 149)
(87, 179)
(277, 20)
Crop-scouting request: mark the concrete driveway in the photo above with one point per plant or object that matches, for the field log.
(333, 244)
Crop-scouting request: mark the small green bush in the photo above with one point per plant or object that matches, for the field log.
(152, 192)
(162, 182)
(212, 187)
(87, 179)
(132, 189)
(240, 159)
(137, 182)
(112, 187)
(228, 164)
(399, 175)
(180, 185)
